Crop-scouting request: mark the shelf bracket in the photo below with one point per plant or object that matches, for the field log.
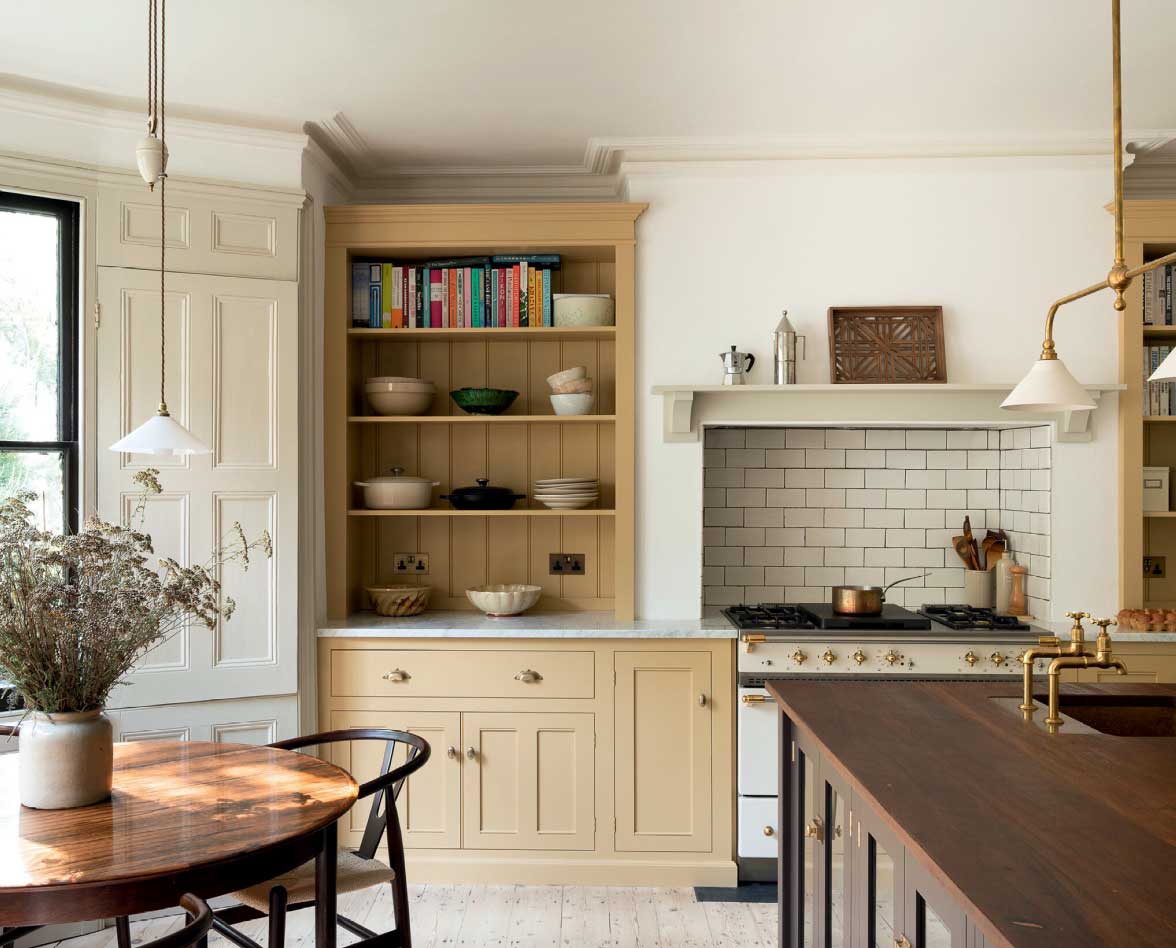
(678, 408)
(1074, 426)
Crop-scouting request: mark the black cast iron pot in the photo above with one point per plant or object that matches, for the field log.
(483, 497)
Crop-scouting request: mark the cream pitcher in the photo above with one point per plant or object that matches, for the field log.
(736, 365)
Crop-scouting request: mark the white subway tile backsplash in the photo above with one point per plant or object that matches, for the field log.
(845, 438)
(845, 477)
(912, 579)
(788, 513)
(885, 518)
(867, 458)
(884, 438)
(926, 438)
(824, 457)
(806, 437)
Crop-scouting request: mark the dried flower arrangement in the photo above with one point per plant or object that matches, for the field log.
(78, 611)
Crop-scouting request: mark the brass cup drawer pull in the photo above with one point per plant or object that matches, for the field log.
(397, 674)
(815, 830)
(901, 942)
(528, 677)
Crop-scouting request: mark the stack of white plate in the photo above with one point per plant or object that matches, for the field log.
(566, 493)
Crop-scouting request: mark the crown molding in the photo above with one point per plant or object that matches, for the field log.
(1152, 175)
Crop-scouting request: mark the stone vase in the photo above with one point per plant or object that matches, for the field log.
(66, 760)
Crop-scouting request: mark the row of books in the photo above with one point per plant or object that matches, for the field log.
(1157, 296)
(462, 292)
(1159, 397)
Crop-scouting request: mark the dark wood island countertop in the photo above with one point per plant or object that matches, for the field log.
(1062, 840)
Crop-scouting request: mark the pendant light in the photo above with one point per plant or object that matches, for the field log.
(159, 434)
(1049, 386)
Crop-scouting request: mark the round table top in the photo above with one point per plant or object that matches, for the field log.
(176, 805)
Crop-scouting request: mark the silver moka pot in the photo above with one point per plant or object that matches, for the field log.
(784, 341)
(736, 365)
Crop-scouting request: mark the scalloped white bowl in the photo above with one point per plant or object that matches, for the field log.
(507, 599)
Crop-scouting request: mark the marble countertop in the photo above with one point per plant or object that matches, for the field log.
(540, 625)
(1061, 629)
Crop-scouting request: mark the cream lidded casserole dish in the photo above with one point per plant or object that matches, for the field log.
(397, 491)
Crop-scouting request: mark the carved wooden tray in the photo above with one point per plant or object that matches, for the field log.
(886, 344)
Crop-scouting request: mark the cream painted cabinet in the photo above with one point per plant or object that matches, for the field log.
(430, 802)
(528, 781)
(663, 751)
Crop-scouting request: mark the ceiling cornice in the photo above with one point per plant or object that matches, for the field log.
(1152, 175)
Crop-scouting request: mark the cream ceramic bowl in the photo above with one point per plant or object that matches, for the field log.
(504, 600)
(394, 395)
(568, 375)
(583, 309)
(577, 404)
(399, 601)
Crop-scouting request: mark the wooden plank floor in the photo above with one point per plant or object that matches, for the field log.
(475, 916)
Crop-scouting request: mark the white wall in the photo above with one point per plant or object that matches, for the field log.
(722, 249)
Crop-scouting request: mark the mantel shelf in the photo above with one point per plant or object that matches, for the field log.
(689, 408)
(480, 419)
(513, 512)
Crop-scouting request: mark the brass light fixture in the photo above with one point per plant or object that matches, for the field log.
(159, 434)
(1049, 386)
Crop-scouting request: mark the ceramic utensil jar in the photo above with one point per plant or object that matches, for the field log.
(736, 365)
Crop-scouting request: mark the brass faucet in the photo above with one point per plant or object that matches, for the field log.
(1050, 646)
(1076, 656)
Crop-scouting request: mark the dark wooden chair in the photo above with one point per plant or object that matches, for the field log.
(356, 870)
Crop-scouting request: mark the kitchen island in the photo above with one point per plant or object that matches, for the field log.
(928, 814)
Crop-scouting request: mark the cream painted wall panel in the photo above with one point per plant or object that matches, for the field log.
(241, 721)
(166, 519)
(994, 240)
(207, 233)
(256, 652)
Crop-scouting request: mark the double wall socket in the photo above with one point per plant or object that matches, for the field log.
(414, 563)
(566, 564)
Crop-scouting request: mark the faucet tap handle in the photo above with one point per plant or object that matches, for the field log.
(1078, 616)
(1103, 623)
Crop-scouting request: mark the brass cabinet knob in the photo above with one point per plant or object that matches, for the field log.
(528, 677)
(397, 674)
(901, 942)
(451, 752)
(828, 657)
(702, 700)
(814, 830)
(971, 658)
(997, 658)
(799, 657)
(471, 753)
(769, 831)
(859, 656)
(891, 657)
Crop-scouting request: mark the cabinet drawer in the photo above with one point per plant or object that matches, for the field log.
(759, 737)
(437, 673)
(756, 816)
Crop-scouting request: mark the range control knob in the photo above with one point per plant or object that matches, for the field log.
(828, 657)
(799, 657)
(859, 656)
(997, 658)
(892, 657)
(971, 658)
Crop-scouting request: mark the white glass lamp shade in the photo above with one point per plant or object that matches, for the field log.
(1166, 370)
(151, 157)
(161, 434)
(1048, 386)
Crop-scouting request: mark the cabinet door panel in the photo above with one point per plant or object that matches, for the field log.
(878, 879)
(663, 752)
(530, 783)
(933, 920)
(809, 829)
(836, 869)
(430, 802)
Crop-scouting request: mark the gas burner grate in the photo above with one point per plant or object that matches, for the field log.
(961, 617)
(768, 615)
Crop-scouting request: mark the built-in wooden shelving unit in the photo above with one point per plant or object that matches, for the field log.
(465, 548)
(1150, 232)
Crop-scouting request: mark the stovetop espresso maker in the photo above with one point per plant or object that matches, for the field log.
(736, 365)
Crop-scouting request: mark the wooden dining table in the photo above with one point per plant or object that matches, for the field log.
(183, 817)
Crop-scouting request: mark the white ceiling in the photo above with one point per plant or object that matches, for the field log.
(483, 84)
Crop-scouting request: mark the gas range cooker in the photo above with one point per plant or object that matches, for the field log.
(809, 638)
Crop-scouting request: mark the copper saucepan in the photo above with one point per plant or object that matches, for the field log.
(864, 600)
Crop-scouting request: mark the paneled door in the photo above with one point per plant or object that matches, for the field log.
(529, 780)
(663, 751)
(232, 380)
(430, 801)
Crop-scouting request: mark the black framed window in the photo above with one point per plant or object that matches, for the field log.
(39, 326)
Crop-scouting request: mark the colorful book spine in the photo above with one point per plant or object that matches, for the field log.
(468, 304)
(375, 272)
(524, 286)
(512, 298)
(359, 295)
(1167, 295)
(437, 297)
(548, 315)
(503, 297)
(533, 259)
(410, 298)
(1149, 306)
(462, 283)
(451, 289)
(404, 301)
(479, 319)
(388, 295)
(534, 305)
(485, 271)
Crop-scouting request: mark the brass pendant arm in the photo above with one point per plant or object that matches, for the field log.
(1151, 265)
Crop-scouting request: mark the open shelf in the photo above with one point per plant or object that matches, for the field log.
(1159, 330)
(550, 333)
(480, 419)
(1159, 513)
(432, 512)
(1158, 419)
